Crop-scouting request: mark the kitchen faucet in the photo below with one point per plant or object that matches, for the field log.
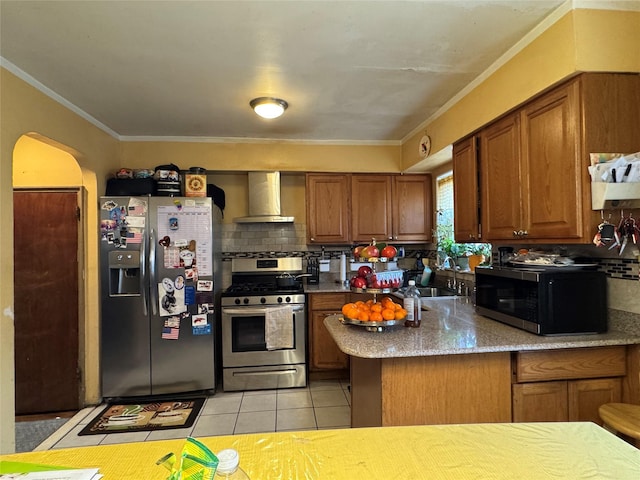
(452, 266)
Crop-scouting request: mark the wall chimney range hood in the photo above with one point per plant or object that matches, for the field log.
(264, 199)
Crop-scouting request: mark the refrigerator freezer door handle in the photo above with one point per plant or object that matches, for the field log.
(143, 275)
(152, 271)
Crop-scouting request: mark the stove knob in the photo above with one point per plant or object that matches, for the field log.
(288, 299)
(263, 300)
(246, 301)
(237, 301)
(279, 299)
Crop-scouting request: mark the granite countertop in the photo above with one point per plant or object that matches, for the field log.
(451, 326)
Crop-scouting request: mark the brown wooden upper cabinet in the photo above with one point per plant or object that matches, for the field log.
(534, 185)
(466, 196)
(391, 208)
(328, 216)
(385, 207)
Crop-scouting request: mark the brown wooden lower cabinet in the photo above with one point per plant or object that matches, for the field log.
(324, 355)
(564, 401)
(536, 386)
(555, 385)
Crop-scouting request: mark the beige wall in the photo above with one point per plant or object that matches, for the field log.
(23, 110)
(582, 40)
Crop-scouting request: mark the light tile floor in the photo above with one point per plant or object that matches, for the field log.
(322, 404)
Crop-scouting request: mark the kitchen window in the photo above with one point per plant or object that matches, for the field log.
(447, 246)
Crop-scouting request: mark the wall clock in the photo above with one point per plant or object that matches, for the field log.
(424, 148)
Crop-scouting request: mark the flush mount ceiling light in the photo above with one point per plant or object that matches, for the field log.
(268, 107)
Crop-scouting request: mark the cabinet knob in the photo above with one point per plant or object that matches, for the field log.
(390, 237)
(312, 239)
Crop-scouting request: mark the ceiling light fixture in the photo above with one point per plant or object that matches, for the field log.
(268, 107)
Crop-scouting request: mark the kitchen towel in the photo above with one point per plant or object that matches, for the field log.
(278, 327)
(343, 268)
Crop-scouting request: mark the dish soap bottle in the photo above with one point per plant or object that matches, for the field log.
(228, 466)
(413, 305)
(426, 274)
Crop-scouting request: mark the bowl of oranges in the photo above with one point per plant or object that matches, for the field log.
(373, 315)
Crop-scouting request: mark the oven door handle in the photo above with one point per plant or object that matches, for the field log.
(249, 311)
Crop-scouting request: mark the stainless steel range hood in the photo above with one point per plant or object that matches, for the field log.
(264, 199)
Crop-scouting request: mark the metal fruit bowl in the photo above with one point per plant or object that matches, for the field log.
(371, 326)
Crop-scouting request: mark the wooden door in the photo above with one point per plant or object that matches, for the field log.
(501, 178)
(328, 217)
(371, 208)
(412, 208)
(586, 397)
(551, 166)
(324, 354)
(466, 193)
(46, 301)
(540, 402)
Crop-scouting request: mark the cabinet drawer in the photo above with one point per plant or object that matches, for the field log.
(328, 301)
(571, 363)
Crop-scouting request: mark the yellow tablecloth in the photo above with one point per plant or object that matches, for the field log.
(485, 451)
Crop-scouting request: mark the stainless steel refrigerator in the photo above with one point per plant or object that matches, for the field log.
(160, 278)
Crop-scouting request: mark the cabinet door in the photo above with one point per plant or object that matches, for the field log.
(540, 402)
(501, 177)
(465, 191)
(586, 397)
(328, 208)
(371, 208)
(324, 354)
(412, 211)
(551, 171)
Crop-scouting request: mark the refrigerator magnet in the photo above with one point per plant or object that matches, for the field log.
(205, 285)
(109, 205)
(170, 333)
(201, 329)
(165, 241)
(189, 295)
(179, 282)
(172, 322)
(173, 223)
(198, 320)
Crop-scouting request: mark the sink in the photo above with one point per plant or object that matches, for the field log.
(435, 292)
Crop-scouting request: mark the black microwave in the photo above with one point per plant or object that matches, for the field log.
(545, 301)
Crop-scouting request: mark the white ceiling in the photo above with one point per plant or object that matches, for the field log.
(359, 71)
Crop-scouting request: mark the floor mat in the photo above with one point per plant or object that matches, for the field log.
(144, 416)
(32, 433)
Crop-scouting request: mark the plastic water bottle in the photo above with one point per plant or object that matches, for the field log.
(228, 466)
(413, 305)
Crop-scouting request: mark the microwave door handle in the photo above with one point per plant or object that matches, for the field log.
(153, 287)
(550, 311)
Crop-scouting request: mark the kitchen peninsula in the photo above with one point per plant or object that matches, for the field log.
(460, 367)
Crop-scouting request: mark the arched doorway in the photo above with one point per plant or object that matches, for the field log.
(48, 265)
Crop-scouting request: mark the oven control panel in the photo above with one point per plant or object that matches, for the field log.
(294, 298)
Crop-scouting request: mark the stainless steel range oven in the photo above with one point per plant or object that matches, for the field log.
(266, 298)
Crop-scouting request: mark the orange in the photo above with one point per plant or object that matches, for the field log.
(352, 313)
(397, 306)
(376, 307)
(364, 316)
(400, 314)
(347, 306)
(359, 303)
(388, 314)
(376, 317)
